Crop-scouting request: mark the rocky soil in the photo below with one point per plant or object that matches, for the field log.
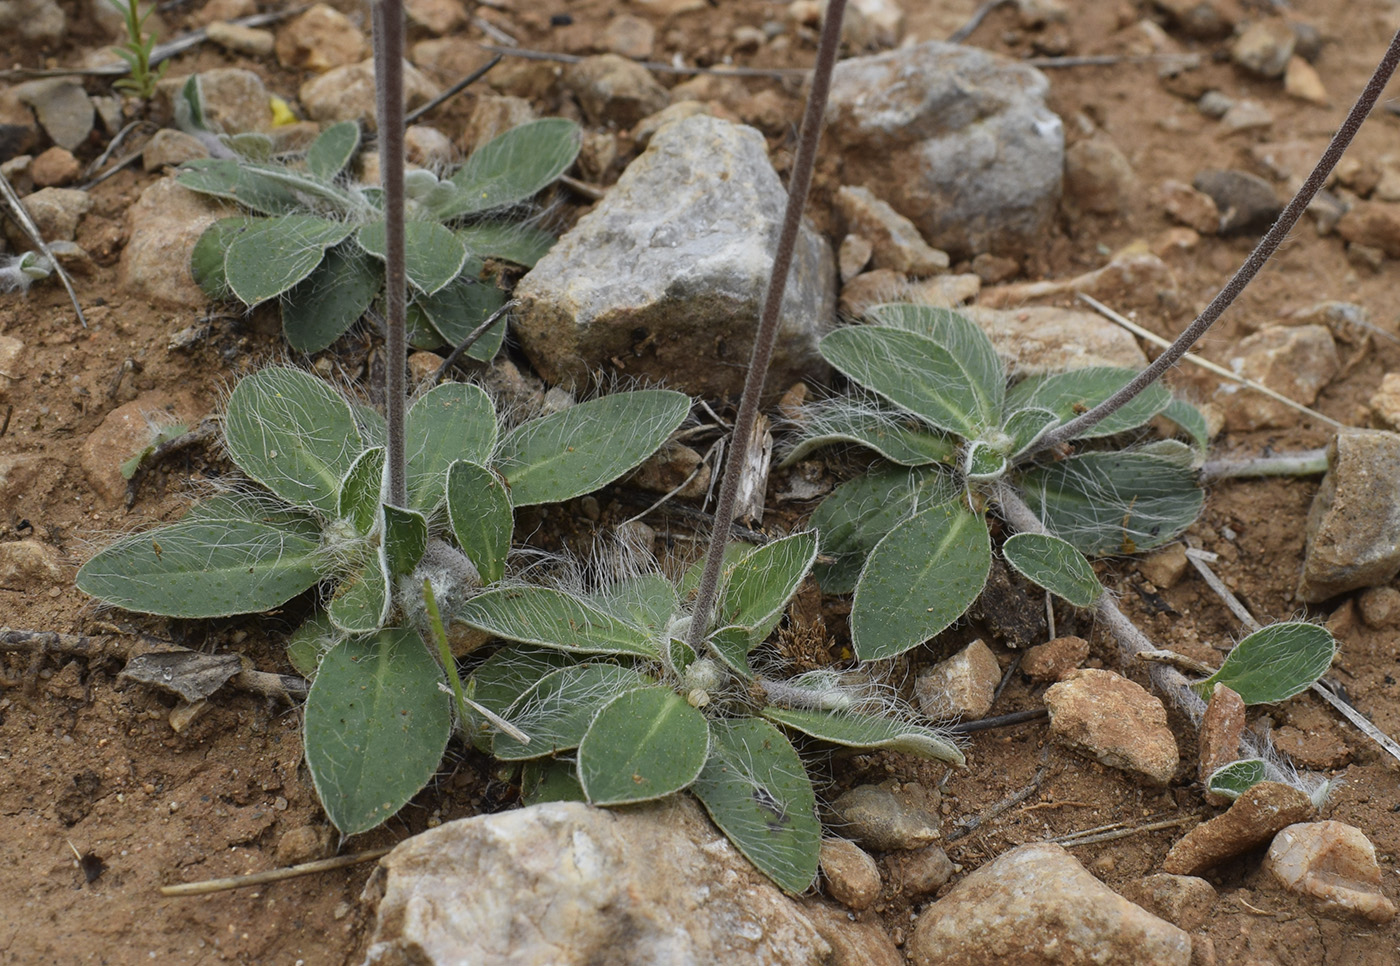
(1156, 142)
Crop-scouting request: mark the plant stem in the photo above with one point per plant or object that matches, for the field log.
(388, 77)
(1307, 463)
(1261, 254)
(801, 181)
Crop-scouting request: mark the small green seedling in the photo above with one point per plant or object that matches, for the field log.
(18, 272)
(316, 242)
(159, 433)
(910, 537)
(619, 709)
(142, 80)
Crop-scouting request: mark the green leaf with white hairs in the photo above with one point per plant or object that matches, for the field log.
(854, 730)
(376, 727)
(915, 373)
(924, 575)
(310, 642)
(1114, 502)
(1068, 394)
(479, 510)
(1025, 427)
(433, 256)
(521, 244)
(336, 295)
(405, 539)
(550, 618)
(558, 709)
(888, 433)
(573, 452)
(643, 600)
(207, 256)
(549, 780)
(644, 744)
(1192, 422)
(1053, 564)
(859, 513)
(755, 590)
(360, 604)
(271, 255)
(513, 167)
(453, 421)
(732, 645)
(370, 421)
(456, 310)
(228, 179)
(982, 463)
(293, 434)
(1274, 663)
(507, 674)
(965, 339)
(756, 790)
(332, 150)
(1233, 780)
(222, 559)
(362, 489)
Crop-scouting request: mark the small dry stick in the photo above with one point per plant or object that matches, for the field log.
(452, 91)
(21, 217)
(210, 886)
(472, 338)
(1085, 838)
(971, 825)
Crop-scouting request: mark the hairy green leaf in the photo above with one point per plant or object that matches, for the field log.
(963, 338)
(1233, 780)
(293, 434)
(360, 604)
(480, 513)
(376, 727)
(456, 310)
(573, 452)
(508, 241)
(550, 618)
(756, 589)
(433, 256)
(921, 577)
(1068, 394)
(1025, 427)
(1274, 663)
(332, 150)
(362, 489)
(207, 257)
(309, 643)
(336, 295)
(549, 780)
(556, 712)
(1192, 422)
(644, 744)
(271, 255)
(211, 564)
(644, 600)
(756, 790)
(514, 166)
(868, 731)
(982, 462)
(233, 181)
(453, 421)
(405, 539)
(1055, 565)
(887, 432)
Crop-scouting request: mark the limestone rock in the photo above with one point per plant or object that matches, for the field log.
(1037, 906)
(27, 564)
(895, 242)
(320, 39)
(1255, 817)
(956, 139)
(56, 213)
(885, 819)
(961, 686)
(1098, 177)
(235, 100)
(1379, 607)
(1136, 279)
(1054, 659)
(1246, 114)
(943, 291)
(1265, 47)
(1182, 900)
(1353, 530)
(55, 168)
(1297, 361)
(664, 277)
(1301, 80)
(170, 148)
(1373, 223)
(11, 362)
(163, 227)
(1040, 339)
(1333, 864)
(427, 146)
(62, 107)
(1165, 567)
(238, 39)
(853, 943)
(614, 90)
(126, 431)
(852, 877)
(38, 21)
(1247, 202)
(853, 255)
(564, 884)
(437, 16)
(347, 93)
(630, 37)
(1115, 721)
(494, 115)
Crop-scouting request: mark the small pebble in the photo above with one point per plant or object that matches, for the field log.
(920, 872)
(1182, 900)
(1333, 864)
(882, 819)
(54, 168)
(852, 877)
(1165, 567)
(1220, 732)
(1379, 607)
(1115, 721)
(1054, 659)
(963, 686)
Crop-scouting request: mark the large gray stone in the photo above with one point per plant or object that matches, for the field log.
(956, 139)
(63, 108)
(1353, 535)
(1037, 906)
(664, 279)
(564, 884)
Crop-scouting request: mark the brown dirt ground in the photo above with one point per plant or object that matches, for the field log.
(91, 762)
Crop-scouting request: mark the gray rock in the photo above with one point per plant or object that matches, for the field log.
(895, 242)
(347, 93)
(1037, 906)
(1040, 339)
(1353, 530)
(1246, 114)
(961, 686)
(957, 139)
(1246, 202)
(41, 21)
(63, 108)
(1115, 721)
(56, 213)
(163, 227)
(664, 278)
(852, 877)
(169, 147)
(564, 884)
(1265, 47)
(1333, 864)
(240, 40)
(853, 942)
(1215, 103)
(885, 819)
(1296, 361)
(614, 90)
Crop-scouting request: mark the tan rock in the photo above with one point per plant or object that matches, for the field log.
(239, 39)
(1265, 47)
(56, 213)
(235, 100)
(54, 168)
(674, 467)
(1054, 659)
(438, 16)
(961, 686)
(853, 255)
(1353, 528)
(125, 432)
(944, 291)
(494, 115)
(169, 148)
(347, 93)
(1297, 361)
(1255, 817)
(896, 243)
(1192, 208)
(1098, 177)
(11, 362)
(852, 877)
(1165, 567)
(1385, 402)
(1182, 900)
(1039, 339)
(163, 227)
(306, 843)
(1379, 607)
(320, 39)
(26, 564)
(1375, 224)
(1133, 279)
(629, 36)
(920, 872)
(614, 90)
(852, 943)
(886, 818)
(427, 146)
(872, 288)
(1302, 81)
(1334, 865)
(1115, 721)
(1220, 732)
